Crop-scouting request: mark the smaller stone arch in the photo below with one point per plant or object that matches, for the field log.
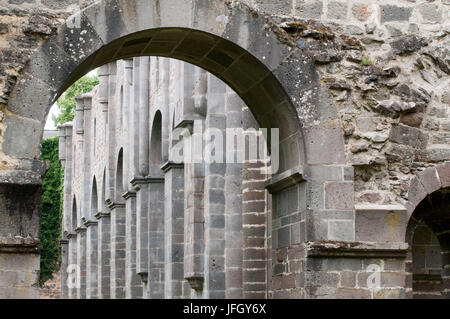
(426, 182)
(156, 147)
(427, 233)
(74, 214)
(94, 198)
(120, 181)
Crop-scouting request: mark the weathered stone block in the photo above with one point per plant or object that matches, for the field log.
(430, 12)
(361, 11)
(395, 13)
(339, 195)
(430, 180)
(309, 9)
(337, 10)
(341, 230)
(406, 135)
(443, 171)
(280, 7)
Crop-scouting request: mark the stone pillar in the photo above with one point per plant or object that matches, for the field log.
(127, 124)
(194, 223)
(107, 78)
(118, 243)
(254, 212)
(234, 240)
(134, 120)
(173, 229)
(79, 115)
(142, 237)
(92, 259)
(140, 184)
(86, 198)
(104, 255)
(65, 155)
(111, 134)
(73, 275)
(194, 232)
(64, 265)
(133, 285)
(156, 240)
(81, 261)
(215, 125)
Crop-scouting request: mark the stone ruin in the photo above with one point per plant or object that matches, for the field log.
(358, 207)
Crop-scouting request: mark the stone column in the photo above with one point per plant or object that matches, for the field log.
(140, 184)
(254, 213)
(194, 223)
(173, 229)
(127, 124)
(156, 240)
(90, 246)
(73, 266)
(104, 255)
(92, 259)
(215, 124)
(142, 205)
(111, 134)
(81, 261)
(118, 243)
(234, 239)
(64, 265)
(133, 285)
(65, 152)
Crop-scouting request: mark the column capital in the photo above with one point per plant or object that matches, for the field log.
(80, 230)
(171, 165)
(129, 195)
(89, 222)
(71, 235)
(113, 205)
(100, 215)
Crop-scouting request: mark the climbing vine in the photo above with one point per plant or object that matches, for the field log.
(51, 211)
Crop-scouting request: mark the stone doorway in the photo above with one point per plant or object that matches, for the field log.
(428, 235)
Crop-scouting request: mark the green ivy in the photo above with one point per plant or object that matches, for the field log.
(66, 103)
(51, 211)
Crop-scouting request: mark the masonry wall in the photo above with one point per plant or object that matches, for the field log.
(382, 67)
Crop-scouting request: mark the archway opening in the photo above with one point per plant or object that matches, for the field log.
(428, 236)
(74, 214)
(94, 198)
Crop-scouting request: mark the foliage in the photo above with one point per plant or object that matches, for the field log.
(366, 61)
(66, 103)
(51, 211)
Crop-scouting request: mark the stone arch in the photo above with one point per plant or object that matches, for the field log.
(156, 144)
(120, 182)
(425, 183)
(74, 214)
(238, 45)
(94, 198)
(428, 219)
